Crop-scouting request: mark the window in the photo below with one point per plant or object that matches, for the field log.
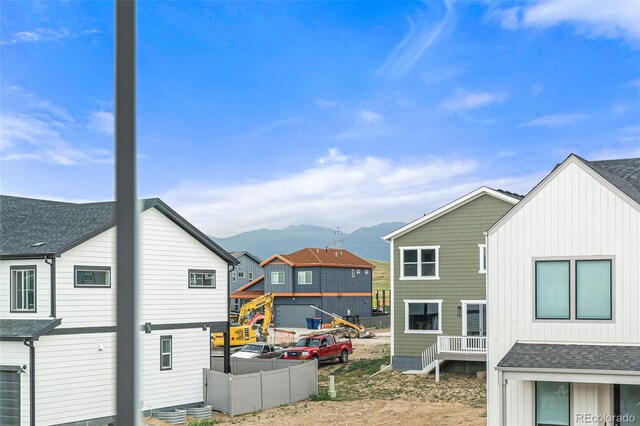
(92, 276)
(202, 279)
(366, 272)
(358, 271)
(552, 289)
(419, 263)
(233, 277)
(593, 289)
(353, 273)
(626, 403)
(482, 248)
(552, 404)
(574, 289)
(305, 277)
(250, 276)
(166, 351)
(23, 289)
(277, 278)
(423, 316)
(240, 274)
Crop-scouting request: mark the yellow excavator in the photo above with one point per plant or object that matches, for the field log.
(350, 323)
(249, 328)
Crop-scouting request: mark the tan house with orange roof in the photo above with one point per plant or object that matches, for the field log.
(334, 280)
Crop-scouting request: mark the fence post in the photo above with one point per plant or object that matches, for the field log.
(316, 376)
(290, 387)
(273, 364)
(261, 390)
(205, 385)
(230, 390)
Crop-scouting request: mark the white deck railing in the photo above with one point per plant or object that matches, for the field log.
(462, 344)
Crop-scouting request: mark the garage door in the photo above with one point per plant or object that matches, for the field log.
(293, 315)
(9, 398)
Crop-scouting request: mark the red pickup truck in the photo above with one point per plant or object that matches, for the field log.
(321, 347)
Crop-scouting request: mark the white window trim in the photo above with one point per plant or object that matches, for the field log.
(284, 279)
(240, 276)
(464, 312)
(233, 276)
(419, 278)
(250, 276)
(481, 263)
(406, 316)
(304, 273)
(170, 353)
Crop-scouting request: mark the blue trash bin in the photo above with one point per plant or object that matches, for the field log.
(310, 323)
(317, 323)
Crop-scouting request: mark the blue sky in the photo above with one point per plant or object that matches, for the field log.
(331, 113)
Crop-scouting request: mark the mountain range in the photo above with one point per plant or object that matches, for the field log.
(365, 242)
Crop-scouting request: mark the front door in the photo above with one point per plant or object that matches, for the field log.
(474, 318)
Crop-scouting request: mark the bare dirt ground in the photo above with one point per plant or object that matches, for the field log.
(389, 398)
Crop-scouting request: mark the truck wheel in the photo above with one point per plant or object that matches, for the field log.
(353, 334)
(344, 357)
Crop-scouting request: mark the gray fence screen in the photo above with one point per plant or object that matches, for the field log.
(259, 384)
(382, 321)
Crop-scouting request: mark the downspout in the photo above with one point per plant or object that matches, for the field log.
(52, 268)
(32, 380)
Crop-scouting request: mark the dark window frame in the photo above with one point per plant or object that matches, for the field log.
(35, 289)
(575, 283)
(535, 289)
(535, 400)
(202, 271)
(90, 268)
(169, 338)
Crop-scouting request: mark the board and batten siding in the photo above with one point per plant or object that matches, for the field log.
(458, 234)
(43, 289)
(572, 214)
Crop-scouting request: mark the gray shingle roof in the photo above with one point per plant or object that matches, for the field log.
(624, 174)
(572, 357)
(238, 254)
(61, 226)
(19, 329)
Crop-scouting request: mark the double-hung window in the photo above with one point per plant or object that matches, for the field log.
(305, 277)
(552, 404)
(277, 278)
(574, 289)
(423, 316)
(166, 352)
(250, 276)
(92, 276)
(202, 279)
(23, 289)
(419, 263)
(240, 274)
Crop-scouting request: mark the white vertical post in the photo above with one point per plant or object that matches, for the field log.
(437, 371)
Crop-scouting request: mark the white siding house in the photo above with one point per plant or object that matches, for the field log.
(563, 294)
(68, 376)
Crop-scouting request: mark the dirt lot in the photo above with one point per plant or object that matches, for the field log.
(389, 398)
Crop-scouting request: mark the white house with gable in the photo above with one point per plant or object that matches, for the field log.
(563, 291)
(58, 283)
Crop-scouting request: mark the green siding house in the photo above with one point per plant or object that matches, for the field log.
(438, 271)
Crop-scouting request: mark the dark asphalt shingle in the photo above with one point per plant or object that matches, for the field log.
(572, 357)
(624, 174)
(19, 329)
(60, 225)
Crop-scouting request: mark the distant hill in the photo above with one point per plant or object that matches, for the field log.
(365, 242)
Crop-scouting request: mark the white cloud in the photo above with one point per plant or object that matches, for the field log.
(557, 120)
(42, 107)
(368, 116)
(275, 126)
(466, 100)
(420, 37)
(354, 192)
(610, 18)
(45, 34)
(326, 104)
(333, 156)
(101, 122)
(25, 137)
(434, 76)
